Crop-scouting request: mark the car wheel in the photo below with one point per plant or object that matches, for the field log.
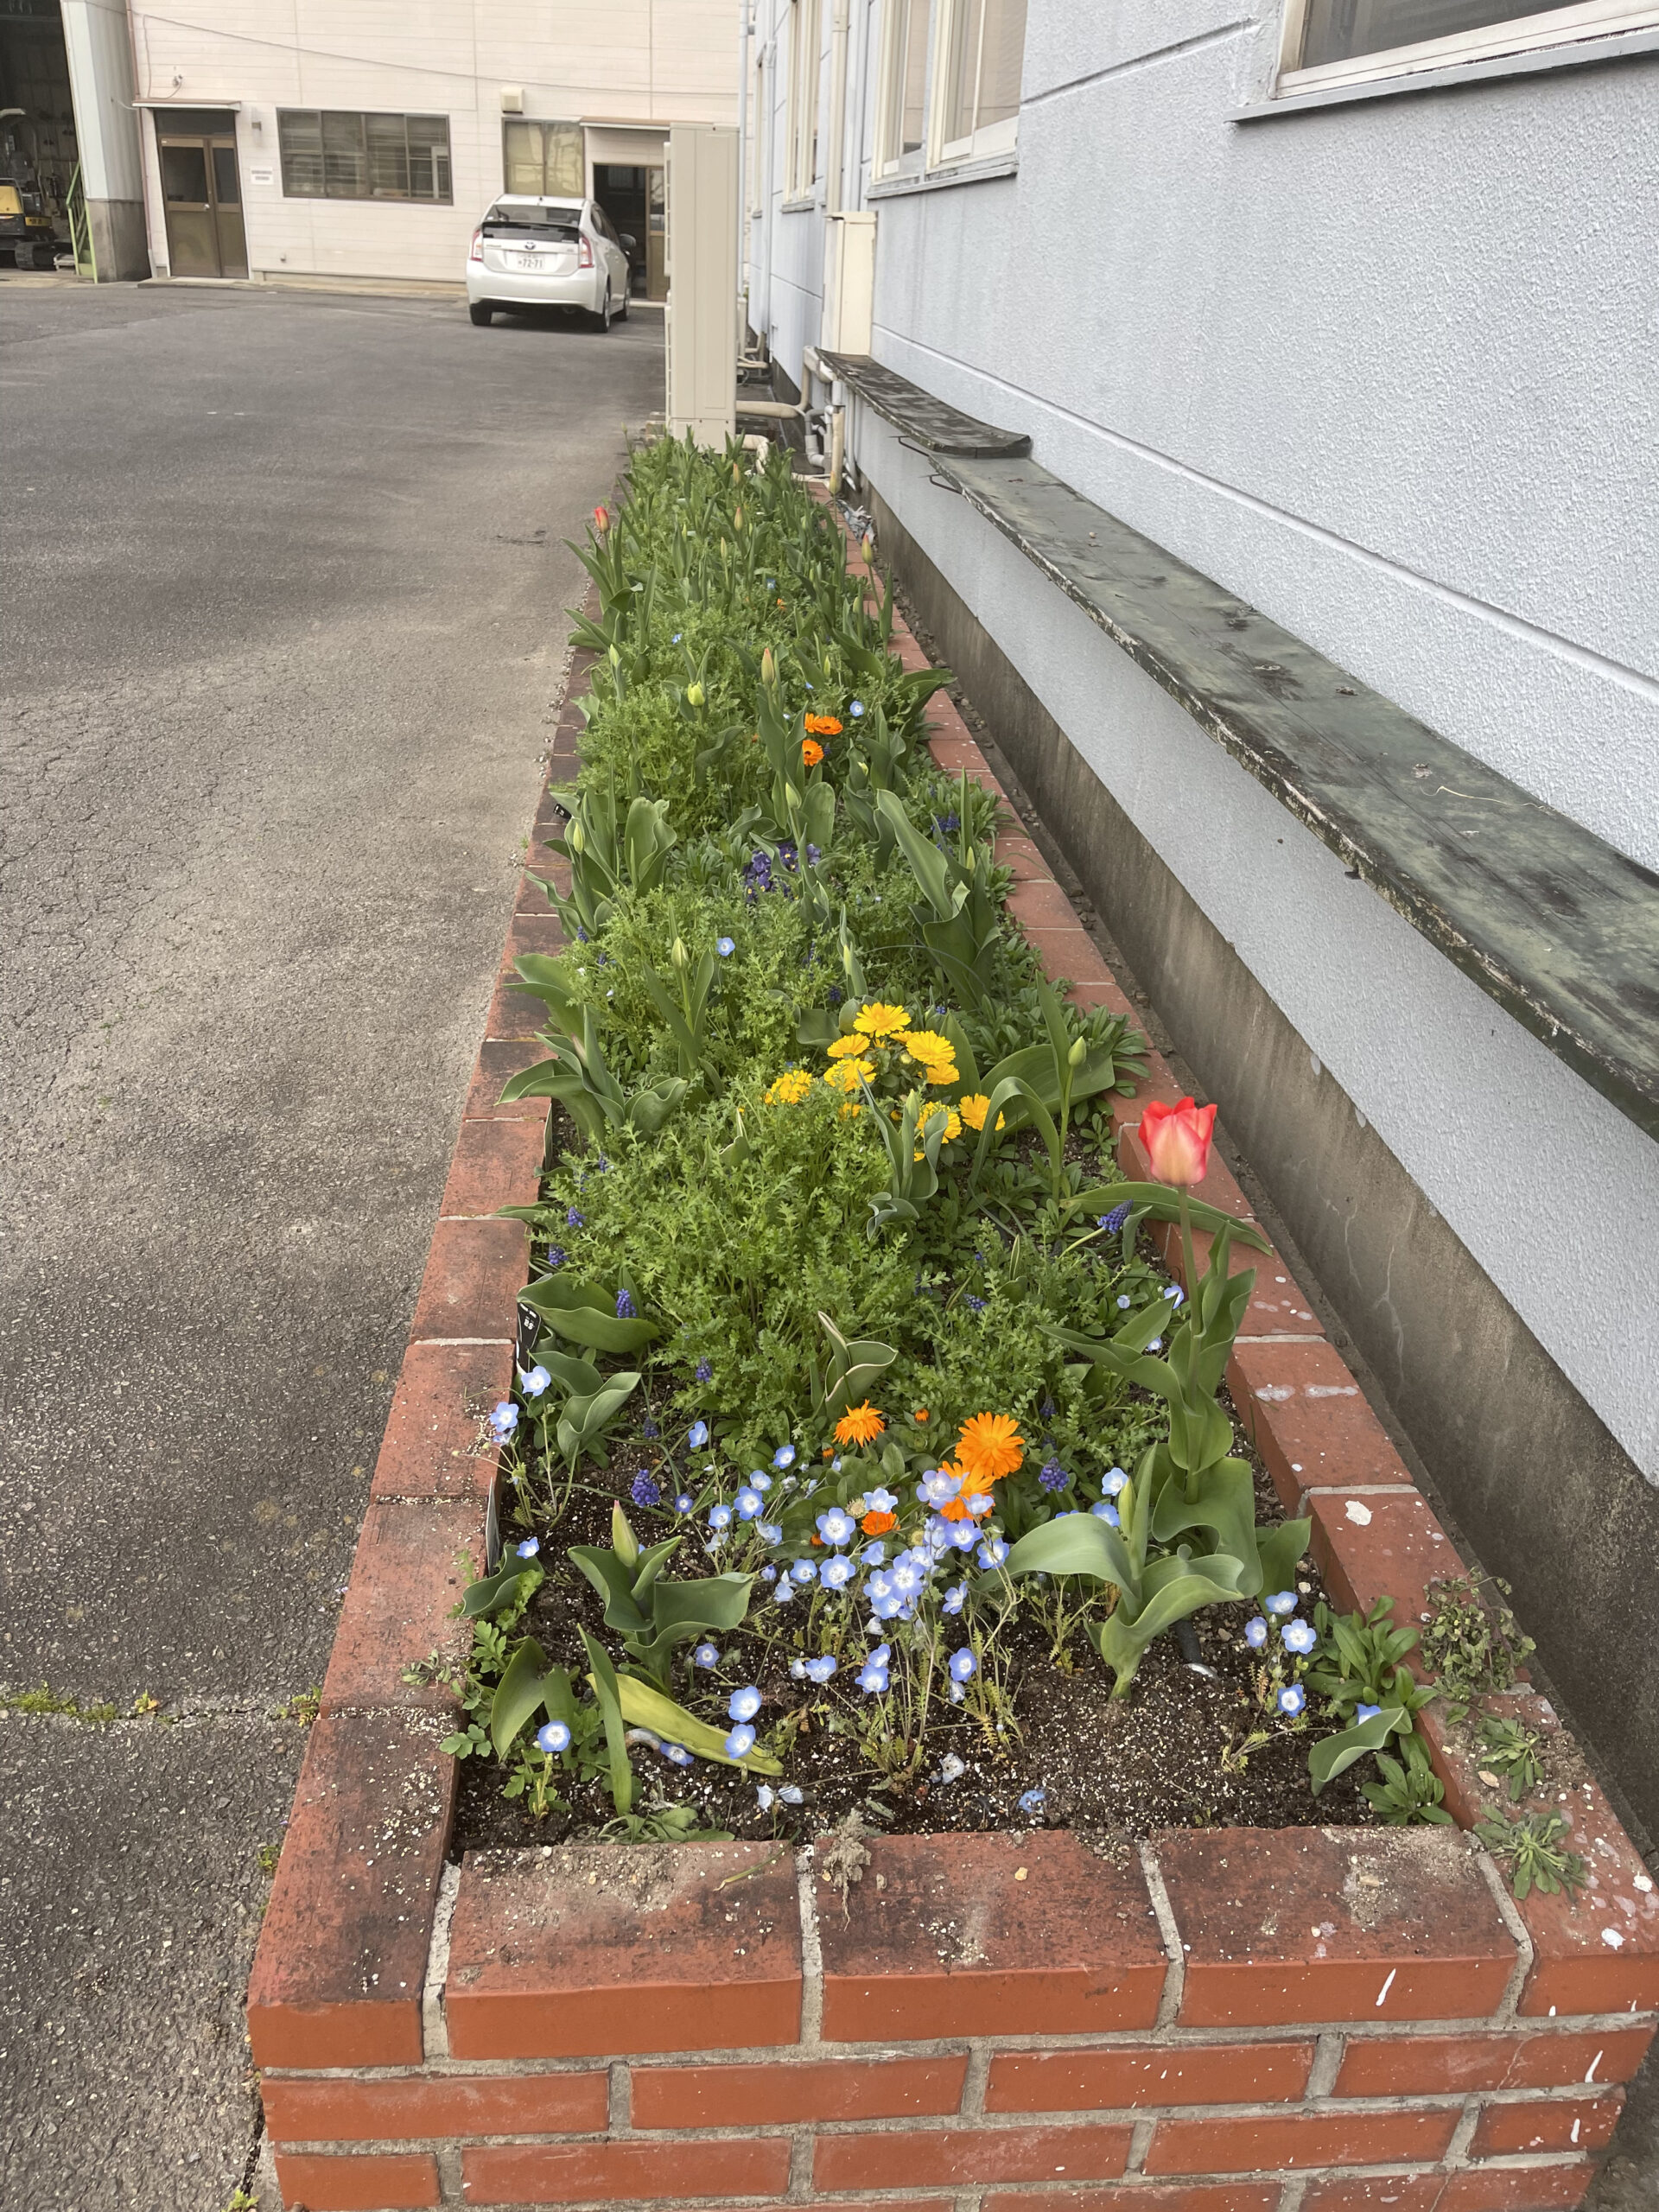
(622, 312)
(603, 318)
(480, 312)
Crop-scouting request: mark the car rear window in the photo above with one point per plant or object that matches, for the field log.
(541, 222)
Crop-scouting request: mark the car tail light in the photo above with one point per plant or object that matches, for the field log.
(584, 254)
(477, 253)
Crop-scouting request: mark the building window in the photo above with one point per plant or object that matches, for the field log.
(901, 115)
(335, 154)
(1346, 42)
(549, 161)
(804, 72)
(979, 49)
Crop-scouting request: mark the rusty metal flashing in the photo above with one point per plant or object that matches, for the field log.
(1551, 922)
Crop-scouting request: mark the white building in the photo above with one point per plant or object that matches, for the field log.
(353, 138)
(1344, 308)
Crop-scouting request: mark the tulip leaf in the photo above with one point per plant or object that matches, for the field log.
(1280, 1549)
(1336, 1754)
(646, 1707)
(484, 1595)
(1123, 1641)
(605, 1695)
(1074, 1543)
(581, 1312)
(526, 1685)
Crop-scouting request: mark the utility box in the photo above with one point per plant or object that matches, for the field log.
(702, 317)
(849, 283)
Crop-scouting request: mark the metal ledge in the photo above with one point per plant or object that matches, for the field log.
(1552, 923)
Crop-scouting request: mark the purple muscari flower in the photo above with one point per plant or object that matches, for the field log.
(555, 1738)
(645, 1489)
(949, 821)
(529, 1548)
(648, 1427)
(1293, 1699)
(813, 857)
(625, 1307)
(555, 1255)
(572, 1219)
(1047, 1409)
(819, 1670)
(697, 1435)
(1366, 1712)
(836, 994)
(704, 1370)
(1281, 1603)
(1299, 1636)
(1111, 1223)
(739, 1743)
(744, 1704)
(963, 1665)
(582, 935)
(1053, 1476)
(974, 1305)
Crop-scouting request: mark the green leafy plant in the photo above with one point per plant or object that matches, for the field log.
(1510, 1751)
(1410, 1792)
(576, 1075)
(1532, 1848)
(1472, 1644)
(652, 1616)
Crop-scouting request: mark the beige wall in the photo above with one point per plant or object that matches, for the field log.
(658, 61)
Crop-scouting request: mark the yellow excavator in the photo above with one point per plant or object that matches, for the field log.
(34, 221)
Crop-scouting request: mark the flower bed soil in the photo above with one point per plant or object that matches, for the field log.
(1237, 2019)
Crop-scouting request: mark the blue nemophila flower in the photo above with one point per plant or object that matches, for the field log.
(1292, 1700)
(964, 1535)
(963, 1665)
(645, 1490)
(1033, 1801)
(725, 946)
(765, 1796)
(1176, 1295)
(936, 1487)
(740, 1742)
(1299, 1636)
(534, 1382)
(677, 1755)
(856, 709)
(1108, 1512)
(770, 1532)
(797, 1670)
(704, 1370)
(873, 1554)
(768, 1573)
(1123, 1304)
(1366, 1712)
(555, 1738)
(555, 1255)
(1157, 1344)
(785, 1590)
(784, 1456)
(805, 1571)
(677, 635)
(706, 1655)
(625, 1310)
(529, 1548)
(906, 1579)
(685, 1502)
(835, 1465)
(758, 1478)
(789, 1793)
(819, 1670)
(836, 1574)
(837, 1526)
(954, 1598)
(749, 1504)
(873, 1676)
(573, 1219)
(504, 1418)
(744, 1704)
(1281, 1603)
(881, 1501)
(1053, 1475)
(719, 1517)
(1115, 1482)
(697, 1435)
(1256, 1633)
(992, 1553)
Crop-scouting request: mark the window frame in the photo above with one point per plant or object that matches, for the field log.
(543, 124)
(440, 155)
(1526, 32)
(991, 142)
(888, 166)
(801, 143)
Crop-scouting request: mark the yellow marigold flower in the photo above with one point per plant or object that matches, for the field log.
(952, 1124)
(927, 1046)
(790, 1089)
(881, 1022)
(940, 1071)
(976, 1107)
(991, 1446)
(847, 1075)
(847, 1048)
(860, 1424)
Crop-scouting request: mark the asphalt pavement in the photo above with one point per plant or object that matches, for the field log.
(283, 577)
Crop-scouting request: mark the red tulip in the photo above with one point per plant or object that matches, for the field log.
(1177, 1139)
(601, 520)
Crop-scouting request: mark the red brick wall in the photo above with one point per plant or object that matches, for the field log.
(1221, 2021)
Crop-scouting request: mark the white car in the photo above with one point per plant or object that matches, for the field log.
(548, 253)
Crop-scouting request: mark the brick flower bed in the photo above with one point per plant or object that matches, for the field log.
(1223, 2020)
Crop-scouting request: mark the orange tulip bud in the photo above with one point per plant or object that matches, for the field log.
(601, 519)
(1177, 1139)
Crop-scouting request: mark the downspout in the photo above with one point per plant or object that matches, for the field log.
(834, 191)
(743, 36)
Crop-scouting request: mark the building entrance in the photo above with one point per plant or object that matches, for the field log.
(201, 192)
(634, 200)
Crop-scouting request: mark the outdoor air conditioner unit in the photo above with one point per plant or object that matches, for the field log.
(701, 319)
(512, 100)
(849, 283)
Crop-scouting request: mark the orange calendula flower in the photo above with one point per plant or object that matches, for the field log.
(790, 1089)
(920, 1413)
(860, 1424)
(877, 1524)
(991, 1446)
(811, 751)
(975, 1107)
(881, 1022)
(823, 725)
(973, 1485)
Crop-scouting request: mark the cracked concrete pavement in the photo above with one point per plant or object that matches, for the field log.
(283, 575)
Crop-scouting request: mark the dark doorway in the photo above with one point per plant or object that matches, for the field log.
(201, 192)
(633, 198)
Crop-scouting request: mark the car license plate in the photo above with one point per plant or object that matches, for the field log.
(526, 261)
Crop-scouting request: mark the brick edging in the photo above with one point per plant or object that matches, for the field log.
(381, 2024)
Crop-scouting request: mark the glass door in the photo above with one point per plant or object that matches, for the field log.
(202, 196)
(656, 236)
